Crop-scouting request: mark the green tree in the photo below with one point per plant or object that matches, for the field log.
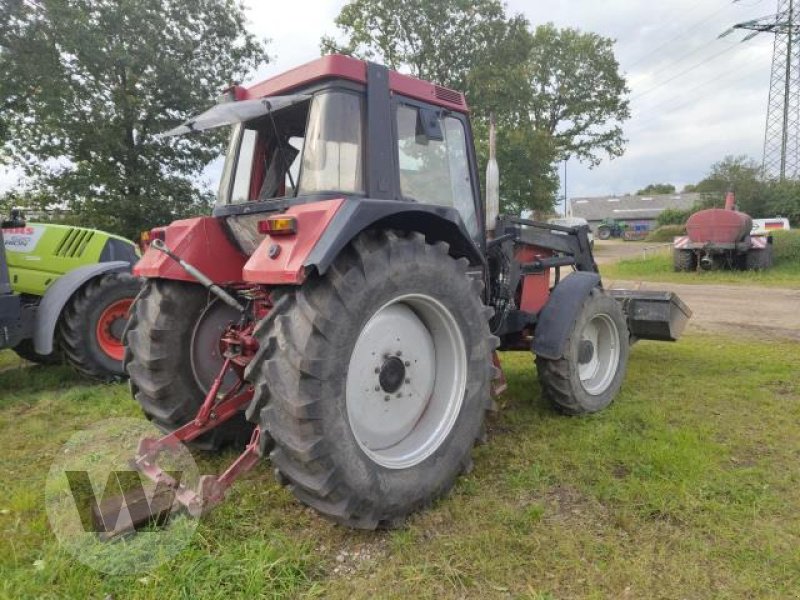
(782, 199)
(656, 188)
(578, 94)
(504, 68)
(744, 176)
(87, 86)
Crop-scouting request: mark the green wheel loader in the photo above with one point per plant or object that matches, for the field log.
(64, 294)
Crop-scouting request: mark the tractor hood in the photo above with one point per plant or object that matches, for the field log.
(230, 113)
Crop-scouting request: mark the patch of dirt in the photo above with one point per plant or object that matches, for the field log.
(754, 312)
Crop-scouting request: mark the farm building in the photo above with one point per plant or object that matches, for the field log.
(638, 212)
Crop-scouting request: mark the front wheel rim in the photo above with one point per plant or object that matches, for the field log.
(599, 354)
(406, 381)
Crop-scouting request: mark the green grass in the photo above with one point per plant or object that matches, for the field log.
(687, 487)
(660, 268)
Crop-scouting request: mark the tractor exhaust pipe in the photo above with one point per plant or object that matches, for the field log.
(492, 180)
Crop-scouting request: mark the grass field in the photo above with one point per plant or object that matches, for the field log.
(687, 487)
(660, 268)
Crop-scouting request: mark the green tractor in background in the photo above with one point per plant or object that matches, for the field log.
(611, 228)
(64, 294)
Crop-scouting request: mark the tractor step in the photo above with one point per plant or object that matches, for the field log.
(653, 315)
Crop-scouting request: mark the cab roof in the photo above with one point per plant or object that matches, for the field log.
(337, 66)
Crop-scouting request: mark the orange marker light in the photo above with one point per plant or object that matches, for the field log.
(278, 226)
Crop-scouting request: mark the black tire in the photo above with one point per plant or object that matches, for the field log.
(300, 371)
(158, 360)
(79, 321)
(26, 351)
(604, 232)
(560, 379)
(759, 260)
(684, 260)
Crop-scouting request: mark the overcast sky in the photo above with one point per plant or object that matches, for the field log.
(694, 98)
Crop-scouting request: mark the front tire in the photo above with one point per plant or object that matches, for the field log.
(372, 381)
(92, 324)
(172, 356)
(589, 375)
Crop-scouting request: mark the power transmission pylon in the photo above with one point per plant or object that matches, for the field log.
(782, 137)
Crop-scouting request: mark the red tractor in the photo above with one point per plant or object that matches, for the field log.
(341, 309)
(722, 238)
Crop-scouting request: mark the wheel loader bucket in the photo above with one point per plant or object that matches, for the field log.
(653, 315)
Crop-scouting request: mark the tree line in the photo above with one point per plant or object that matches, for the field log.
(85, 87)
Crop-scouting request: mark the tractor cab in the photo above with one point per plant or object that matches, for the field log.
(346, 129)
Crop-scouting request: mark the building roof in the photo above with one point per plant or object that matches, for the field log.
(629, 207)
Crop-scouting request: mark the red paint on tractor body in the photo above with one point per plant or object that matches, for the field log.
(718, 226)
(280, 259)
(201, 242)
(536, 286)
(350, 69)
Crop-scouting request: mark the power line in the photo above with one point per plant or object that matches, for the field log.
(683, 34)
(685, 71)
(684, 102)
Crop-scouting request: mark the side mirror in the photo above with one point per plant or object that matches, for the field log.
(429, 127)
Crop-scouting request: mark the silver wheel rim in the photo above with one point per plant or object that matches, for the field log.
(599, 354)
(406, 381)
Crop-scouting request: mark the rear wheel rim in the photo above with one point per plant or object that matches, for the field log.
(110, 326)
(600, 354)
(406, 381)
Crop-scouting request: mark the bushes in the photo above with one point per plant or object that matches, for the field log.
(674, 216)
(665, 233)
(787, 246)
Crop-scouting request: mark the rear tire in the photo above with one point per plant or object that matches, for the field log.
(589, 375)
(92, 324)
(684, 260)
(604, 233)
(323, 376)
(759, 260)
(25, 350)
(159, 361)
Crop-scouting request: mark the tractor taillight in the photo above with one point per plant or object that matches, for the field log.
(278, 226)
(146, 238)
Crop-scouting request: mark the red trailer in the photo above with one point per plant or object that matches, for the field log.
(722, 238)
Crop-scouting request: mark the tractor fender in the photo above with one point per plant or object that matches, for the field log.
(437, 223)
(558, 315)
(325, 228)
(57, 296)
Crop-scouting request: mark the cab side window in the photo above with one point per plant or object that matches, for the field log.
(435, 171)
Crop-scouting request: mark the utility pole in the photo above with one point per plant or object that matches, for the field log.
(782, 133)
